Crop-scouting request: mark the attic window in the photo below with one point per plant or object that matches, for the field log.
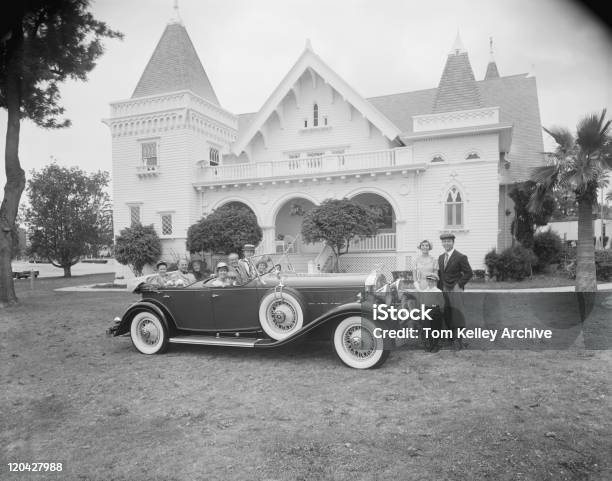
(472, 156)
(315, 115)
(305, 123)
(325, 120)
(437, 158)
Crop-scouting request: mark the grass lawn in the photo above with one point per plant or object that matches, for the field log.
(70, 394)
(535, 281)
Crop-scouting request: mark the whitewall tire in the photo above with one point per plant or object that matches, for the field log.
(281, 314)
(356, 345)
(148, 333)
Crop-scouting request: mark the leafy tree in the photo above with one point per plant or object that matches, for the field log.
(138, 246)
(580, 165)
(64, 216)
(42, 44)
(336, 222)
(525, 221)
(226, 229)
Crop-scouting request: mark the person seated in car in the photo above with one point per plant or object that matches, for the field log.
(182, 277)
(196, 266)
(262, 267)
(222, 279)
(232, 278)
(242, 276)
(161, 277)
(248, 251)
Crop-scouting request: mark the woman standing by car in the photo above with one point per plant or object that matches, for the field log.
(424, 264)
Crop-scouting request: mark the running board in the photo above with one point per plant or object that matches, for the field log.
(216, 341)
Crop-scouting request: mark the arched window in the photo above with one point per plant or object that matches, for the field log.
(472, 155)
(437, 158)
(454, 208)
(213, 156)
(315, 115)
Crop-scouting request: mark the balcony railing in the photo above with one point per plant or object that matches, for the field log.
(309, 166)
(379, 242)
(147, 170)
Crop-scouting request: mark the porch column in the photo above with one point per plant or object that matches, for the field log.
(268, 240)
(401, 243)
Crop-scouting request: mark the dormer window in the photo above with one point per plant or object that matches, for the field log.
(472, 156)
(315, 115)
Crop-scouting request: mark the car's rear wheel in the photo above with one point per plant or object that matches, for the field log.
(149, 334)
(356, 345)
(281, 313)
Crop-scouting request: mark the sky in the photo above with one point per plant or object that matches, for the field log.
(379, 47)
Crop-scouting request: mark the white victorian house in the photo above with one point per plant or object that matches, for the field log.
(429, 161)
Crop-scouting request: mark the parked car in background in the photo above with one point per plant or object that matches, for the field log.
(25, 274)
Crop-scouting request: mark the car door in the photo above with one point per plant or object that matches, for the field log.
(235, 308)
(190, 308)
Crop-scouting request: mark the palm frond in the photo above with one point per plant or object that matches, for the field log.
(545, 174)
(563, 137)
(592, 132)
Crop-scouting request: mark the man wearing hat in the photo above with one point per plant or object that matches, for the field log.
(454, 271)
(248, 251)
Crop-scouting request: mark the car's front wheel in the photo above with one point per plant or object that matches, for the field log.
(357, 346)
(149, 334)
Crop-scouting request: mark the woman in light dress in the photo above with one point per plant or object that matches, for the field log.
(423, 265)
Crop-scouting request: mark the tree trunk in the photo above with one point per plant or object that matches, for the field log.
(336, 264)
(15, 176)
(586, 280)
(67, 271)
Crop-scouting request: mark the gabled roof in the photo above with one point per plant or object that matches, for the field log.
(309, 60)
(515, 95)
(457, 89)
(175, 66)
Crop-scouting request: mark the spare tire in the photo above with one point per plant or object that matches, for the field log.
(282, 312)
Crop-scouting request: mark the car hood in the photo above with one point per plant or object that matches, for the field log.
(325, 280)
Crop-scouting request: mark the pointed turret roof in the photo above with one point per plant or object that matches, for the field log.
(457, 89)
(174, 66)
(492, 71)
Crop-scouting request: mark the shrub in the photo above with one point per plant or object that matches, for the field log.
(514, 263)
(138, 246)
(491, 261)
(547, 247)
(603, 263)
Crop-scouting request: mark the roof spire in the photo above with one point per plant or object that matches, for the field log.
(492, 71)
(308, 44)
(176, 17)
(457, 47)
(457, 89)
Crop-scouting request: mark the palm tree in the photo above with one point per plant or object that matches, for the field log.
(579, 164)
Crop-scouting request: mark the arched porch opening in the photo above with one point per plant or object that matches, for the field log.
(385, 240)
(288, 226)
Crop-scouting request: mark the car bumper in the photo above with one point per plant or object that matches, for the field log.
(114, 330)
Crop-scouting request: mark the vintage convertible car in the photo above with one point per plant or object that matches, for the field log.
(267, 312)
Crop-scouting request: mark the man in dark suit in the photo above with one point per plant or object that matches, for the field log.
(454, 273)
